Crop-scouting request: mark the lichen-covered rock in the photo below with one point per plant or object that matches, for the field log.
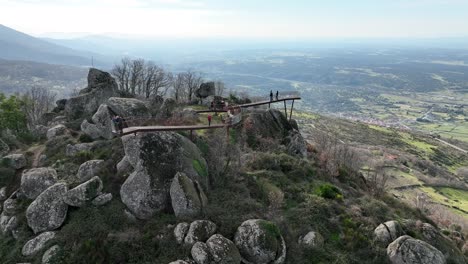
(15, 161)
(180, 231)
(101, 126)
(10, 205)
(3, 193)
(260, 242)
(387, 232)
(72, 150)
(101, 86)
(49, 255)
(199, 230)
(8, 223)
(296, 144)
(84, 193)
(201, 253)
(102, 199)
(56, 131)
(89, 169)
(444, 244)
(223, 250)
(48, 211)
(311, 240)
(407, 250)
(128, 107)
(37, 244)
(268, 124)
(36, 180)
(124, 167)
(157, 157)
(187, 196)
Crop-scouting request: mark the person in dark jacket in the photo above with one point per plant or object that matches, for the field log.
(271, 95)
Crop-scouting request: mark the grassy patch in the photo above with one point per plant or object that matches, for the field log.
(200, 168)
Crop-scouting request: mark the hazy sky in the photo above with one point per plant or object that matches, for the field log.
(292, 19)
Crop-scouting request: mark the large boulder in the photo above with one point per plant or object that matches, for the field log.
(387, 232)
(205, 90)
(128, 107)
(124, 167)
(407, 250)
(15, 161)
(187, 196)
(199, 231)
(101, 127)
(260, 242)
(89, 169)
(101, 86)
(48, 211)
(36, 244)
(216, 250)
(157, 157)
(36, 180)
(271, 123)
(84, 193)
(72, 150)
(56, 131)
(447, 246)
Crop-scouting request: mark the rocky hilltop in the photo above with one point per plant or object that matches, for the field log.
(255, 195)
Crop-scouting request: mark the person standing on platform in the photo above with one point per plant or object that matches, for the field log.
(271, 95)
(277, 93)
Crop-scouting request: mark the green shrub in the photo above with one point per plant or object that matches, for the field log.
(328, 191)
(200, 168)
(82, 157)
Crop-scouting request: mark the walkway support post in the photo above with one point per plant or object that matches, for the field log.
(290, 114)
(285, 109)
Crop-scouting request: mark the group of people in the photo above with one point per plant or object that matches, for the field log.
(271, 95)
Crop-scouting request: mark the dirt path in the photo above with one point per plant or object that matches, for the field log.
(37, 150)
(453, 146)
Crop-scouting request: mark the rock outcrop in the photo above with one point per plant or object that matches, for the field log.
(128, 107)
(15, 161)
(180, 232)
(260, 242)
(187, 196)
(4, 148)
(48, 211)
(84, 193)
(89, 169)
(387, 232)
(101, 127)
(205, 90)
(296, 144)
(407, 250)
(36, 244)
(8, 223)
(444, 244)
(101, 86)
(199, 231)
(216, 250)
(157, 157)
(56, 131)
(35, 181)
(72, 150)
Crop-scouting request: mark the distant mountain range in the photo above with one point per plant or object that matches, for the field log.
(15, 45)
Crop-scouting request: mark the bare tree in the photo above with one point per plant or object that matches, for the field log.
(36, 102)
(156, 80)
(122, 73)
(377, 179)
(178, 86)
(136, 75)
(193, 80)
